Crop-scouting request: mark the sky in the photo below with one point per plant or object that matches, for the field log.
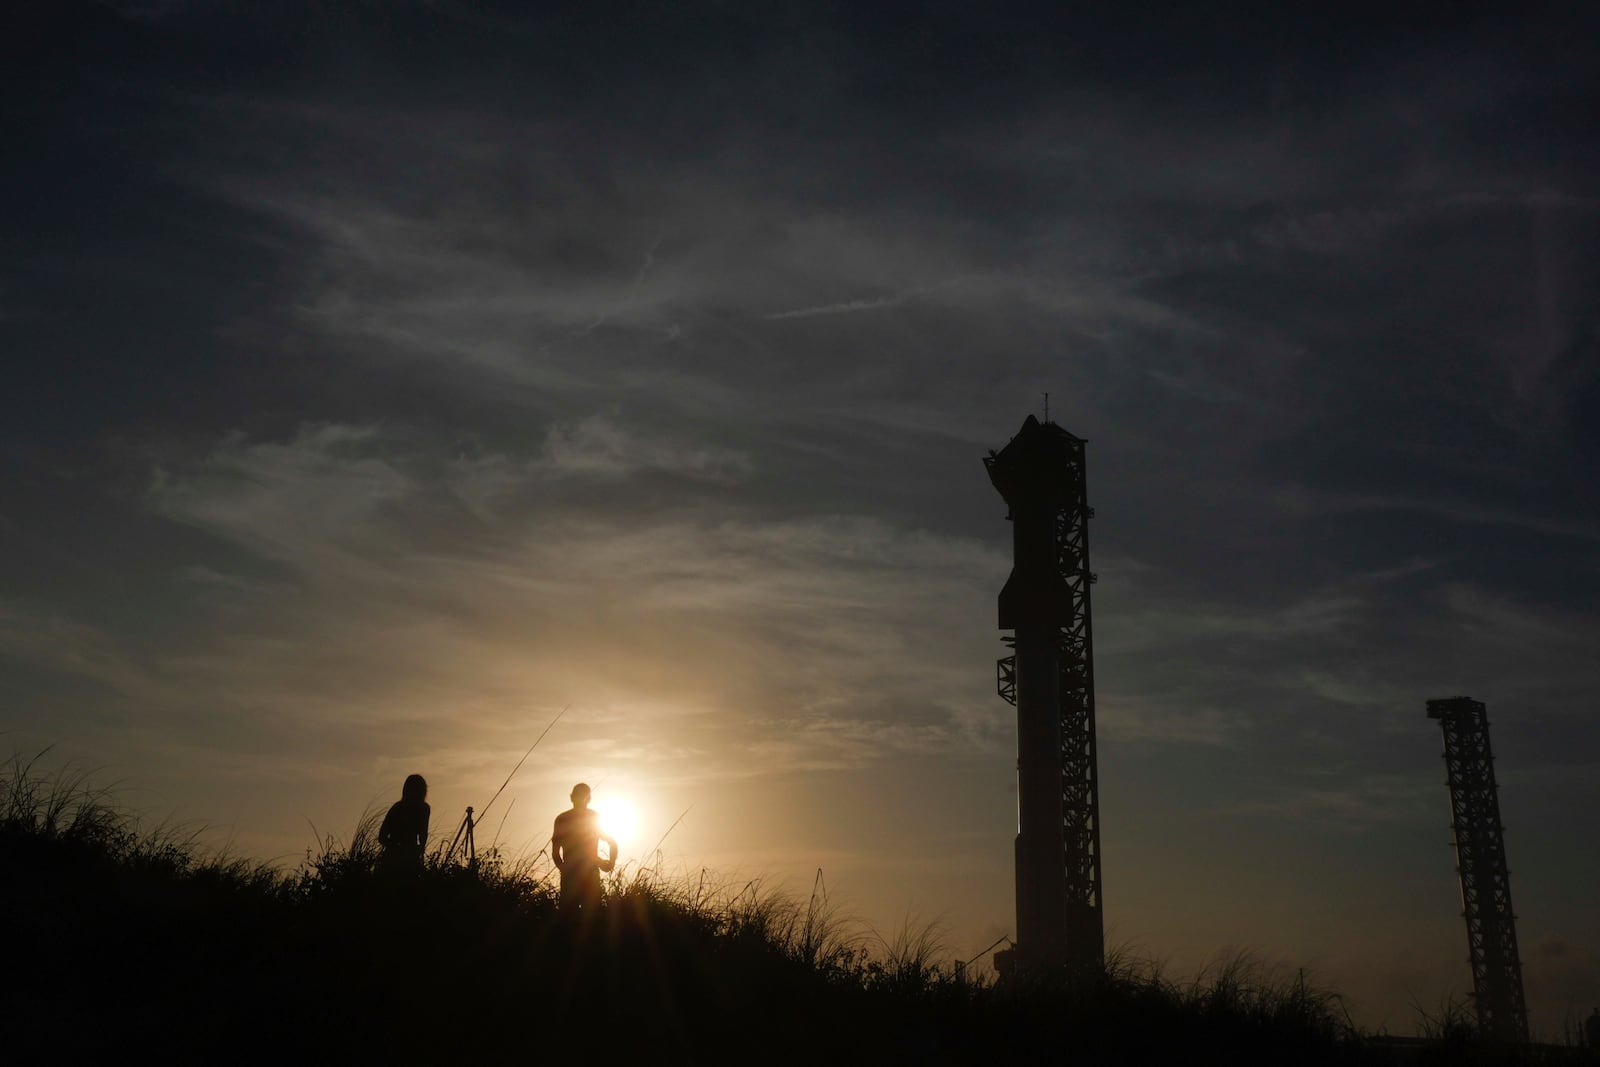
(386, 380)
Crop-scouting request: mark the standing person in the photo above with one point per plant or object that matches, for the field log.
(575, 848)
(404, 833)
(1591, 1029)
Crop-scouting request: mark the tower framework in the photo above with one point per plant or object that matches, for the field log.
(1481, 863)
(1050, 678)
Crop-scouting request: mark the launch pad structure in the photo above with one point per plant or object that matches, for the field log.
(1481, 863)
(1050, 678)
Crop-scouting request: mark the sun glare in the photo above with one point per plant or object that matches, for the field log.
(618, 818)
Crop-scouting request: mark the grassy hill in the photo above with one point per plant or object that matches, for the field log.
(119, 941)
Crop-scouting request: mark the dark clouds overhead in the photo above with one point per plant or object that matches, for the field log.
(384, 377)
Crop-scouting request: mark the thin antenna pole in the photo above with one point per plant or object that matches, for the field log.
(1047, 407)
(671, 828)
(502, 825)
(520, 762)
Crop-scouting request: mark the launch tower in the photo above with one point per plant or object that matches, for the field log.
(1050, 679)
(1481, 862)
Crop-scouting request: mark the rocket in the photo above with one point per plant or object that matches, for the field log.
(1045, 603)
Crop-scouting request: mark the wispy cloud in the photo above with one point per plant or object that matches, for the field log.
(744, 620)
(1351, 804)
(597, 446)
(844, 307)
(509, 385)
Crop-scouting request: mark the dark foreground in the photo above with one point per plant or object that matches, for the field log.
(118, 945)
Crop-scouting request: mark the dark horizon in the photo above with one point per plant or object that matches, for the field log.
(385, 379)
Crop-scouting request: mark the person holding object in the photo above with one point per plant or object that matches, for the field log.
(575, 848)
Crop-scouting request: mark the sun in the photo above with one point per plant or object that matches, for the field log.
(618, 818)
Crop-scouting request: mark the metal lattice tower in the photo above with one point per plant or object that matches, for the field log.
(1481, 862)
(1050, 679)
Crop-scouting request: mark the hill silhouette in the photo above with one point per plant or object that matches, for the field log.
(126, 941)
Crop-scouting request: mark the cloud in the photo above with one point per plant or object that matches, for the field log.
(1304, 503)
(613, 390)
(1175, 719)
(73, 650)
(314, 495)
(842, 308)
(1358, 804)
(596, 446)
(756, 622)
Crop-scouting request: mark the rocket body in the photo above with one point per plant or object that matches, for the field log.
(1045, 603)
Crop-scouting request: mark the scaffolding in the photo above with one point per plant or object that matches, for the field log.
(1481, 863)
(1049, 677)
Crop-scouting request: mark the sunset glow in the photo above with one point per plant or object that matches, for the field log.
(445, 385)
(619, 819)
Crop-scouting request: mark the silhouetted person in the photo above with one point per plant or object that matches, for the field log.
(575, 848)
(404, 833)
(1591, 1029)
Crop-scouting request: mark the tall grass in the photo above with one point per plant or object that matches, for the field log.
(59, 805)
(142, 939)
